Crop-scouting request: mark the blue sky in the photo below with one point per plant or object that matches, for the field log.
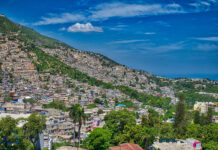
(164, 37)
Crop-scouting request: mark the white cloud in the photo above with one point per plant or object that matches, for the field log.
(207, 47)
(62, 18)
(128, 41)
(165, 48)
(212, 39)
(108, 10)
(149, 33)
(118, 27)
(157, 49)
(88, 27)
(202, 5)
(205, 3)
(174, 5)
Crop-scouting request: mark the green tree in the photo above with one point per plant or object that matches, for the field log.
(105, 102)
(180, 115)
(34, 127)
(78, 116)
(99, 139)
(192, 130)
(31, 101)
(100, 111)
(11, 136)
(197, 117)
(211, 145)
(7, 125)
(57, 104)
(143, 136)
(0, 65)
(1, 78)
(153, 117)
(90, 106)
(145, 121)
(209, 116)
(117, 120)
(97, 101)
(203, 119)
(209, 133)
(151, 120)
(8, 99)
(166, 131)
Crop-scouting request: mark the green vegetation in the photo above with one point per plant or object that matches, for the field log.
(211, 88)
(90, 106)
(117, 120)
(184, 85)
(34, 126)
(1, 79)
(51, 64)
(169, 113)
(151, 120)
(47, 63)
(78, 116)
(167, 131)
(129, 104)
(56, 145)
(7, 26)
(99, 139)
(10, 133)
(180, 116)
(189, 85)
(207, 134)
(8, 98)
(122, 128)
(69, 84)
(31, 101)
(26, 34)
(191, 97)
(100, 111)
(57, 104)
(155, 101)
(98, 101)
(18, 138)
(0, 73)
(203, 119)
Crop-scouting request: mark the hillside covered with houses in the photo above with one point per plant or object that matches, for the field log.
(45, 76)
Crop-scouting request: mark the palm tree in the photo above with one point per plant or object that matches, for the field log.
(77, 115)
(74, 115)
(81, 121)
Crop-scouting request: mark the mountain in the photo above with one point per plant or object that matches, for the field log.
(42, 67)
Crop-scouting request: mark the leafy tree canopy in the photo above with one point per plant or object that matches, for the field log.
(99, 139)
(117, 120)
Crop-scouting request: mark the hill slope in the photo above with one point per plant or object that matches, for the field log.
(58, 68)
(95, 65)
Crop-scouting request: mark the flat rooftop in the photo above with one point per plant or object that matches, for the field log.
(15, 116)
(172, 146)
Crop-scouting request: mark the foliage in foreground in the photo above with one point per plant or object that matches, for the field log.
(99, 139)
(120, 127)
(19, 138)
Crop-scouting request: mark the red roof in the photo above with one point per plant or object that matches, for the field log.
(126, 146)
